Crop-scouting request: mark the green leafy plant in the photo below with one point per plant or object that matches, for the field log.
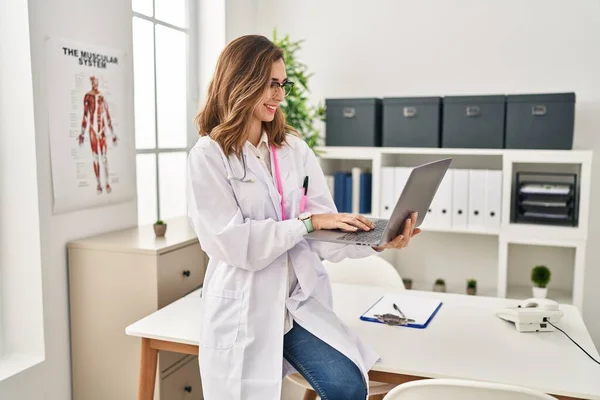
(440, 282)
(159, 222)
(471, 283)
(298, 112)
(540, 276)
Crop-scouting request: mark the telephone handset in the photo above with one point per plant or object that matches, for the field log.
(544, 304)
(533, 315)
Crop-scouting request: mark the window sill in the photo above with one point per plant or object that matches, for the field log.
(12, 364)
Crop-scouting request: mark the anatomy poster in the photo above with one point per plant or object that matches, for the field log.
(91, 150)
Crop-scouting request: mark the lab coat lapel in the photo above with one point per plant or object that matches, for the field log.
(282, 153)
(269, 182)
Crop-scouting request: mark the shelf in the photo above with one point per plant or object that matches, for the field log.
(523, 234)
(525, 292)
(499, 258)
(441, 151)
(460, 231)
(548, 235)
(447, 230)
(347, 153)
(525, 155)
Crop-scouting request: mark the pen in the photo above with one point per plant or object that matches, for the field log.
(408, 320)
(303, 200)
(400, 312)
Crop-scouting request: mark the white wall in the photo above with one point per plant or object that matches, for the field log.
(211, 24)
(433, 47)
(106, 23)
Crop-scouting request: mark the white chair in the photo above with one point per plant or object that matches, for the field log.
(455, 389)
(371, 271)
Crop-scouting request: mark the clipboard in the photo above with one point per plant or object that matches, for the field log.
(420, 309)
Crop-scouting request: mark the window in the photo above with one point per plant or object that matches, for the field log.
(164, 71)
(22, 338)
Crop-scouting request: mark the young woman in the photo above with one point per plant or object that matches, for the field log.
(267, 308)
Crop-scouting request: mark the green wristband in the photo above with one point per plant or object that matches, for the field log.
(308, 224)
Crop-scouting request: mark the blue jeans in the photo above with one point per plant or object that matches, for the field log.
(331, 374)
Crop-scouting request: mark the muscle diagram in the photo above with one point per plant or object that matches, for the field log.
(96, 119)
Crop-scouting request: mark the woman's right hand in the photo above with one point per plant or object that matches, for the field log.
(345, 222)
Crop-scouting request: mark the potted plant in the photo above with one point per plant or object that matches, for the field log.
(540, 277)
(407, 283)
(160, 228)
(471, 287)
(299, 114)
(439, 286)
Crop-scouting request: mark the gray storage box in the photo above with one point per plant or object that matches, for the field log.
(411, 122)
(474, 122)
(540, 121)
(353, 122)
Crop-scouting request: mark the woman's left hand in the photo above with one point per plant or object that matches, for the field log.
(403, 239)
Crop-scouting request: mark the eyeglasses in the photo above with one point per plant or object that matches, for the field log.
(286, 86)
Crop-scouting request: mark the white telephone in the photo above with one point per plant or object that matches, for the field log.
(532, 315)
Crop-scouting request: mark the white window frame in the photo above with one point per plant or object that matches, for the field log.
(23, 341)
(192, 86)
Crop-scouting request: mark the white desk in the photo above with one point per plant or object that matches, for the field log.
(464, 340)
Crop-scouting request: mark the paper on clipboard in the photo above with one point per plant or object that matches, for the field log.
(420, 309)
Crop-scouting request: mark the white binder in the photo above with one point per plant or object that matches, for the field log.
(493, 200)
(401, 175)
(477, 198)
(356, 189)
(460, 198)
(388, 201)
(442, 203)
(330, 183)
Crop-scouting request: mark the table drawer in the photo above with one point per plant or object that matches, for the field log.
(184, 383)
(180, 272)
(167, 359)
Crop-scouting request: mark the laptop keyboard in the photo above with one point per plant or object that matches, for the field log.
(367, 236)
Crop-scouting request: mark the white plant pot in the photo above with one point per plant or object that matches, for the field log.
(439, 288)
(540, 293)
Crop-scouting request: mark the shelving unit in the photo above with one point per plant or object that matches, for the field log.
(490, 247)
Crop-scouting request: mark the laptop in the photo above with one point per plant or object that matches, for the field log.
(417, 195)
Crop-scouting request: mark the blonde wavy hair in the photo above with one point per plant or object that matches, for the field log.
(242, 75)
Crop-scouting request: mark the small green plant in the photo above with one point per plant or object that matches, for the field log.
(471, 283)
(540, 276)
(439, 285)
(298, 112)
(159, 222)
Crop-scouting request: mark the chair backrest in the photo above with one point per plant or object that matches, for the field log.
(455, 389)
(370, 271)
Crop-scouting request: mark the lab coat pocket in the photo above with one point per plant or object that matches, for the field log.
(223, 310)
(294, 204)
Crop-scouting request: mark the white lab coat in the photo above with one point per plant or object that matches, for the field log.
(244, 297)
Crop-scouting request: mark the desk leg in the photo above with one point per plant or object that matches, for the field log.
(147, 379)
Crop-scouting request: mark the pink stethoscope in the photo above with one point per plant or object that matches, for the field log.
(280, 186)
